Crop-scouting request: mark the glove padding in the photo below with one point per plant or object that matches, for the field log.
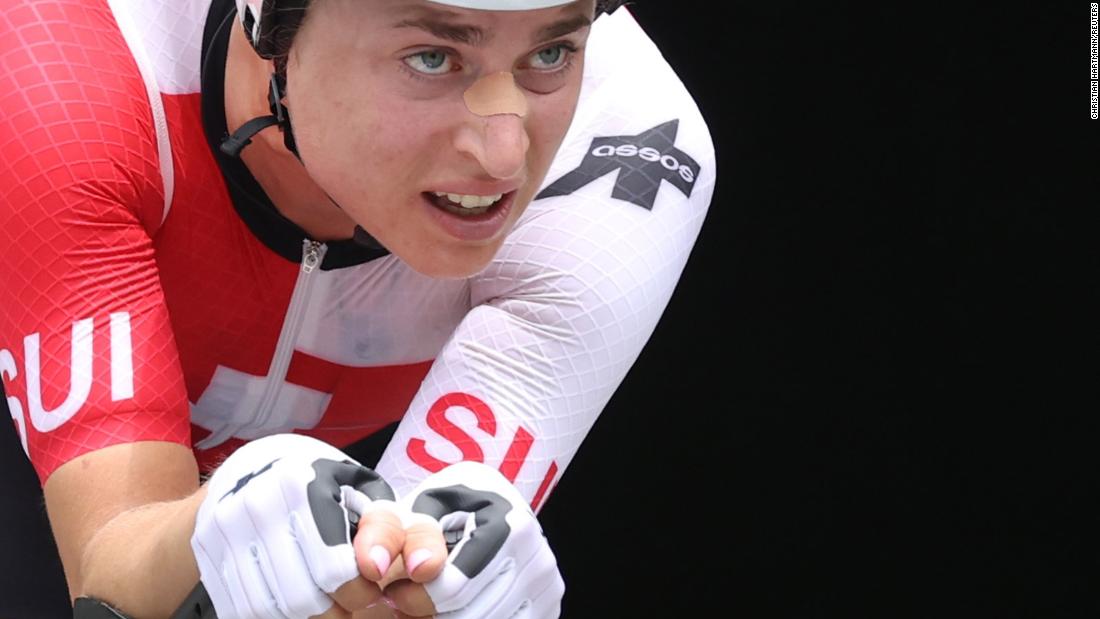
(273, 537)
(500, 565)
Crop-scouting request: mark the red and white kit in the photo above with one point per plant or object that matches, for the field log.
(140, 301)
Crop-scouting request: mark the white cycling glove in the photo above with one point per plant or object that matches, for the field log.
(273, 537)
(500, 565)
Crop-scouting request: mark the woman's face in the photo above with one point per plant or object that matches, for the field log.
(376, 94)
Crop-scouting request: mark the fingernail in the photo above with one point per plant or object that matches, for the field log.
(417, 558)
(388, 602)
(381, 558)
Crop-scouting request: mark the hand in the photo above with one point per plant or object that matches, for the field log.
(500, 565)
(273, 535)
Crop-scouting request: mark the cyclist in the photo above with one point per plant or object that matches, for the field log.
(243, 235)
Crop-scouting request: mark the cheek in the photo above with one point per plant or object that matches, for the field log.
(328, 115)
(347, 137)
(552, 120)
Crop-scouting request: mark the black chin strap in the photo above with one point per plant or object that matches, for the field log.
(232, 145)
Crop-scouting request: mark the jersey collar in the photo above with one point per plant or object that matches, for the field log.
(254, 207)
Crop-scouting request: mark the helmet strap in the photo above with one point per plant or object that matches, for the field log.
(232, 145)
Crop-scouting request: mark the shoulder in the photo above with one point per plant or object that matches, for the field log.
(629, 87)
(77, 108)
(628, 191)
(637, 128)
(166, 40)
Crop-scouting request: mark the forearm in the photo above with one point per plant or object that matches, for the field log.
(141, 562)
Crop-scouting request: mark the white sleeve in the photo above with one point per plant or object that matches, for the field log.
(563, 311)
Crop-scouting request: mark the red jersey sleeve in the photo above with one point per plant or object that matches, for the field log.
(87, 354)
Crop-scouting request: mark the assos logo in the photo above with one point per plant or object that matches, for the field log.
(80, 375)
(643, 161)
(647, 153)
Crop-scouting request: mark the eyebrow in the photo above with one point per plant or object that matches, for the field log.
(563, 27)
(436, 25)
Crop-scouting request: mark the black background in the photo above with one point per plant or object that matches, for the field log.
(860, 402)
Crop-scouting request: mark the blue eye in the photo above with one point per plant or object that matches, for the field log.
(434, 62)
(551, 57)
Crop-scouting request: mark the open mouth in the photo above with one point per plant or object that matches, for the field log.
(467, 206)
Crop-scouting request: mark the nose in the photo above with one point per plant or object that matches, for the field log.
(499, 143)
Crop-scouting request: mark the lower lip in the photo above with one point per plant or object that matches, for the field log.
(472, 227)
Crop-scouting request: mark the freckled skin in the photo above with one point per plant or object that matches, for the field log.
(375, 137)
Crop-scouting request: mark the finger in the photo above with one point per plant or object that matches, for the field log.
(278, 559)
(379, 539)
(425, 551)
(335, 612)
(357, 594)
(411, 598)
(353, 475)
(397, 572)
(260, 573)
(378, 611)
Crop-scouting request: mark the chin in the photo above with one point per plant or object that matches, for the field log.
(452, 264)
(430, 250)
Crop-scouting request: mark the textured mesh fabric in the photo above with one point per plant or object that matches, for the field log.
(80, 198)
(137, 316)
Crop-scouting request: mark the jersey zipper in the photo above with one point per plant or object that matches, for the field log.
(313, 253)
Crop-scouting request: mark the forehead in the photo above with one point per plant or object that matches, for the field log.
(472, 27)
(484, 9)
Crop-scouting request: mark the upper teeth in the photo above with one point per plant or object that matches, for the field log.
(471, 201)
